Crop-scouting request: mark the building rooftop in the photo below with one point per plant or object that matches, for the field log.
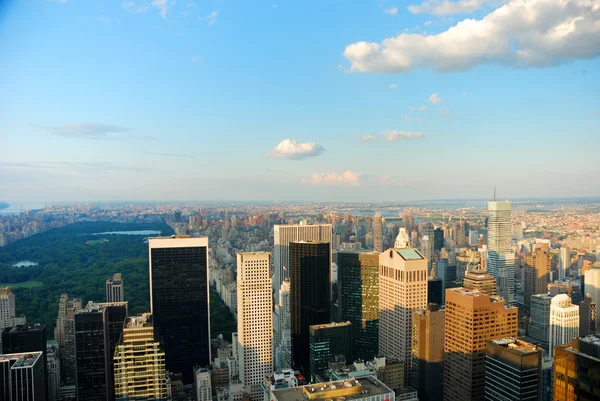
(24, 327)
(327, 325)
(347, 390)
(22, 360)
(516, 345)
(409, 254)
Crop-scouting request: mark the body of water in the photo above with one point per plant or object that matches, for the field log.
(25, 263)
(15, 207)
(139, 232)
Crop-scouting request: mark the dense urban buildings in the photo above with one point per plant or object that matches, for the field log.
(472, 318)
(310, 278)
(427, 352)
(501, 258)
(282, 329)
(114, 289)
(139, 362)
(328, 342)
(358, 298)
(576, 367)
(7, 311)
(254, 319)
(362, 389)
(402, 289)
(64, 334)
(513, 370)
(22, 377)
(179, 299)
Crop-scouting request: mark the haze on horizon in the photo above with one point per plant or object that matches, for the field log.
(303, 100)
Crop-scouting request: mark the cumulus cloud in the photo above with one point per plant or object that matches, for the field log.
(87, 130)
(290, 149)
(367, 138)
(446, 7)
(163, 6)
(391, 11)
(135, 8)
(389, 180)
(394, 135)
(521, 34)
(345, 178)
(393, 86)
(435, 99)
(211, 18)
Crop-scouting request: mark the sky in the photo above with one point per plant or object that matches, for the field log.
(308, 100)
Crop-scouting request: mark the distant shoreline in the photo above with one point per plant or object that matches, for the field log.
(4, 205)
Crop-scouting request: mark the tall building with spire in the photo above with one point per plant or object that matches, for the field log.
(402, 239)
(254, 319)
(114, 288)
(283, 235)
(402, 289)
(378, 233)
(500, 257)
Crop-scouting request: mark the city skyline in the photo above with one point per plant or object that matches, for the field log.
(119, 96)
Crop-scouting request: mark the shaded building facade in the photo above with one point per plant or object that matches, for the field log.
(427, 371)
(326, 342)
(22, 377)
(576, 367)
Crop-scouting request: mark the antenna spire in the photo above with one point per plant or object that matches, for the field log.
(494, 194)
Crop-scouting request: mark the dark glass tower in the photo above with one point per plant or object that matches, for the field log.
(310, 293)
(438, 239)
(27, 338)
(179, 301)
(358, 280)
(22, 377)
(98, 328)
(329, 341)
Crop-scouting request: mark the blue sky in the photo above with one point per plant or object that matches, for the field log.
(298, 100)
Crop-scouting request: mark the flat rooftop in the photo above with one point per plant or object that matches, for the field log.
(409, 254)
(516, 345)
(22, 360)
(327, 325)
(349, 389)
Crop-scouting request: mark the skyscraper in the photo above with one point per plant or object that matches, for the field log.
(427, 251)
(472, 319)
(282, 329)
(358, 280)
(64, 334)
(254, 319)
(539, 327)
(402, 289)
(114, 289)
(310, 283)
(438, 239)
(22, 377)
(139, 362)
(592, 283)
(564, 262)
(479, 279)
(98, 328)
(179, 299)
(576, 367)
(587, 317)
(537, 269)
(427, 370)
(27, 338)
(7, 311)
(283, 235)
(378, 233)
(513, 370)
(402, 239)
(326, 342)
(501, 258)
(564, 321)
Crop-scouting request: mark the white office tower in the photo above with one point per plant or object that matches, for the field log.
(255, 326)
(501, 258)
(378, 233)
(564, 262)
(592, 283)
(564, 321)
(283, 235)
(402, 239)
(402, 289)
(114, 289)
(203, 386)
(282, 330)
(7, 311)
(427, 251)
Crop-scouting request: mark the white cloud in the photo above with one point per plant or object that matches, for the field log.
(393, 86)
(135, 8)
(410, 118)
(87, 130)
(446, 7)
(389, 180)
(427, 23)
(345, 178)
(445, 112)
(420, 108)
(394, 135)
(519, 34)
(163, 6)
(391, 11)
(367, 138)
(211, 17)
(435, 99)
(290, 149)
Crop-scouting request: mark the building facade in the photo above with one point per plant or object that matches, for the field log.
(564, 262)
(326, 342)
(536, 271)
(179, 299)
(139, 362)
(576, 367)
(22, 377)
(500, 256)
(64, 334)
(564, 321)
(539, 327)
(282, 329)
(428, 352)
(310, 294)
(362, 389)
(378, 233)
(402, 290)
(472, 319)
(358, 288)
(254, 319)
(114, 289)
(479, 279)
(7, 311)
